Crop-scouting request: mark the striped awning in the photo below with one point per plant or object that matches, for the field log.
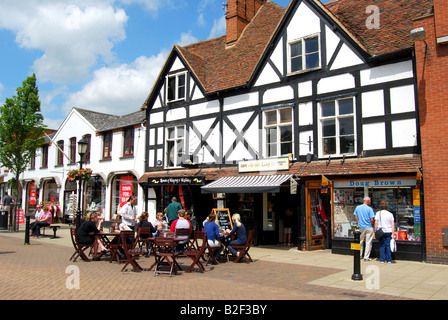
(247, 184)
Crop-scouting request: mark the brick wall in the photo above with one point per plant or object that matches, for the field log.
(239, 14)
(432, 80)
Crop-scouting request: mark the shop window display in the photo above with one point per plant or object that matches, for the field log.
(400, 200)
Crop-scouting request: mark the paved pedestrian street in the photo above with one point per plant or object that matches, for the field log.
(42, 271)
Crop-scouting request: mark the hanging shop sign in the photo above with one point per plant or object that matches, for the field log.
(263, 165)
(173, 181)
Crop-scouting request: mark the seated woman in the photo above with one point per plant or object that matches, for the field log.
(213, 237)
(240, 231)
(43, 221)
(88, 229)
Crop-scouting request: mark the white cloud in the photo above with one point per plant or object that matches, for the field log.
(119, 89)
(73, 37)
(186, 39)
(219, 28)
(2, 87)
(150, 5)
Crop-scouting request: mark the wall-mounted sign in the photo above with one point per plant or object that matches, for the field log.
(263, 165)
(176, 181)
(375, 183)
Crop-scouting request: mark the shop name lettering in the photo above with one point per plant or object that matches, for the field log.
(376, 183)
(233, 309)
(175, 180)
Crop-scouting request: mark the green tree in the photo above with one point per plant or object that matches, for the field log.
(21, 129)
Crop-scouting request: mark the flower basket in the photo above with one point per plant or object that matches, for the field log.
(81, 174)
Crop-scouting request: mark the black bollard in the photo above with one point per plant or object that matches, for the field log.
(27, 229)
(356, 247)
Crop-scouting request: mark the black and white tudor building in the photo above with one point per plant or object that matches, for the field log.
(259, 119)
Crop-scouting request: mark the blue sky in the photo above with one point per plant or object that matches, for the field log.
(101, 55)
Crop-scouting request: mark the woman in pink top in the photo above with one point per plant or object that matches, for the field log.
(43, 221)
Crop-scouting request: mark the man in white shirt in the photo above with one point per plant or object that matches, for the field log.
(129, 213)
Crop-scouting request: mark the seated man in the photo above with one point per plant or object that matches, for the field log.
(181, 223)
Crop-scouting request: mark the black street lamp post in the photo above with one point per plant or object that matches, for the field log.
(82, 150)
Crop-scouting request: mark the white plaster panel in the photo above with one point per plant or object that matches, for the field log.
(332, 41)
(241, 101)
(151, 158)
(152, 136)
(304, 146)
(305, 89)
(390, 72)
(268, 75)
(404, 133)
(177, 65)
(345, 58)
(204, 108)
(159, 135)
(277, 56)
(374, 136)
(402, 99)
(305, 113)
(156, 117)
(336, 83)
(372, 103)
(304, 23)
(278, 94)
(176, 114)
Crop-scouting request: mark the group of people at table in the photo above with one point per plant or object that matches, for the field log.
(177, 218)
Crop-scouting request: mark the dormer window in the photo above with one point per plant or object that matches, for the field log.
(176, 86)
(304, 54)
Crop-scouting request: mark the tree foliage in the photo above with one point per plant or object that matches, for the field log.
(21, 127)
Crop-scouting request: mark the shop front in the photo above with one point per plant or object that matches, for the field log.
(186, 189)
(267, 204)
(403, 197)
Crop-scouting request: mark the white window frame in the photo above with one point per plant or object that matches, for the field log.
(176, 76)
(278, 125)
(337, 136)
(302, 41)
(179, 144)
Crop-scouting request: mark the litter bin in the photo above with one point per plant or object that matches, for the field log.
(3, 220)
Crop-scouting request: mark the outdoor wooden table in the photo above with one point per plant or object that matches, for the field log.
(176, 240)
(106, 241)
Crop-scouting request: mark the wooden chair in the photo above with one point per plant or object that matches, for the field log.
(164, 250)
(79, 248)
(243, 250)
(197, 253)
(211, 254)
(143, 233)
(127, 241)
(114, 246)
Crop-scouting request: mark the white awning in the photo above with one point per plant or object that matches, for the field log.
(247, 184)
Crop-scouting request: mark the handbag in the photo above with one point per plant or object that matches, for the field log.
(393, 245)
(379, 233)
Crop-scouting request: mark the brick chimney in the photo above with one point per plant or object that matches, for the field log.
(239, 14)
(441, 20)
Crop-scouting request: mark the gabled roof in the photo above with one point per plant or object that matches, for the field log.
(106, 122)
(395, 22)
(218, 67)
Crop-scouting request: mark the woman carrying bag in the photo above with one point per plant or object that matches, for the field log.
(384, 220)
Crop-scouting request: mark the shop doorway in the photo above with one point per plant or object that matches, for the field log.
(318, 217)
